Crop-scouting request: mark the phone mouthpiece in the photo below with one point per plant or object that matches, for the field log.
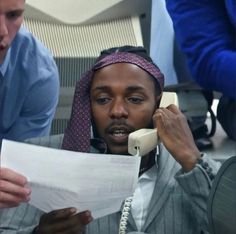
(142, 141)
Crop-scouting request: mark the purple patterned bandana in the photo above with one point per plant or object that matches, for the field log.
(78, 133)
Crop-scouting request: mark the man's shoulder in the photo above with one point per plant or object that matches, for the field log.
(31, 57)
(24, 36)
(25, 43)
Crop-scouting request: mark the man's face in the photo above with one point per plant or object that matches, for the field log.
(11, 17)
(123, 99)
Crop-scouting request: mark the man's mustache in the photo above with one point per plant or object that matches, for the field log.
(119, 124)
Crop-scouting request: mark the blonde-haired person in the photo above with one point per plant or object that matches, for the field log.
(29, 86)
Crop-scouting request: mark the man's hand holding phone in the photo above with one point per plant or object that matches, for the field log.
(174, 132)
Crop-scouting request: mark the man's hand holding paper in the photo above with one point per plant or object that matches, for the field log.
(61, 179)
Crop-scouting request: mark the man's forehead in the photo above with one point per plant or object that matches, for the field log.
(125, 72)
(120, 70)
(106, 83)
(120, 66)
(134, 59)
(11, 5)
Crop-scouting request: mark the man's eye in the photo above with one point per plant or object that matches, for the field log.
(13, 15)
(102, 101)
(136, 100)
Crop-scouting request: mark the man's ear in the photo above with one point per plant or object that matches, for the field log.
(158, 100)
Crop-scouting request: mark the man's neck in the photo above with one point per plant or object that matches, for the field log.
(147, 162)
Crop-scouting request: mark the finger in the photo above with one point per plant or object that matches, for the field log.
(163, 120)
(162, 115)
(168, 112)
(8, 204)
(54, 221)
(165, 113)
(77, 223)
(79, 220)
(61, 224)
(8, 187)
(158, 118)
(174, 109)
(85, 217)
(11, 200)
(56, 215)
(12, 176)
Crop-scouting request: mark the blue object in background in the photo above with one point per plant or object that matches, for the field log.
(162, 41)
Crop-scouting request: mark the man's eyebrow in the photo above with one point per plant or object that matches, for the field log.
(135, 88)
(18, 11)
(101, 88)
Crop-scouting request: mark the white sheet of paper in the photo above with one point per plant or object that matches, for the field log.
(61, 178)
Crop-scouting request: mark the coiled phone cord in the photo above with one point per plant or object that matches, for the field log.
(126, 209)
(125, 214)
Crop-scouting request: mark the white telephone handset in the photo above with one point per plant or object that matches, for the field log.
(144, 140)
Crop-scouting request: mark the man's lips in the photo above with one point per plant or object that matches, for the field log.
(2, 47)
(119, 134)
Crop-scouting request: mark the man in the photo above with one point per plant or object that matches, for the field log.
(206, 32)
(29, 87)
(121, 94)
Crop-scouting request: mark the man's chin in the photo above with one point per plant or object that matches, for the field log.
(3, 53)
(119, 150)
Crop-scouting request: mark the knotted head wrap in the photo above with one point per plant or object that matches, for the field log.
(77, 135)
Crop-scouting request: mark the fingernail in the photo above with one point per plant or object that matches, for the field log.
(28, 191)
(88, 213)
(73, 210)
(89, 216)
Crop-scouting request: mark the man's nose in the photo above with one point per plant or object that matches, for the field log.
(3, 26)
(119, 109)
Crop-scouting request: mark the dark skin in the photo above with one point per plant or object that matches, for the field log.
(64, 221)
(123, 99)
(175, 134)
